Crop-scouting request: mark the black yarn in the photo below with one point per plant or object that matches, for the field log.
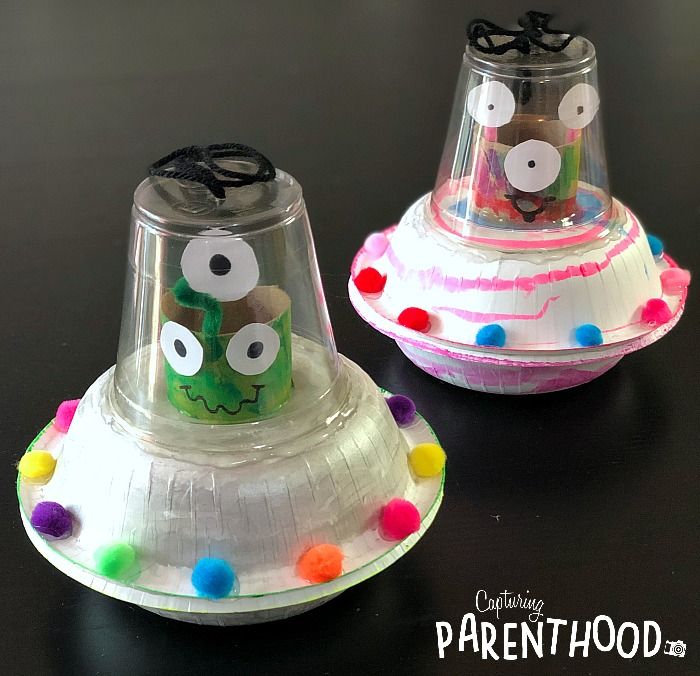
(535, 29)
(198, 164)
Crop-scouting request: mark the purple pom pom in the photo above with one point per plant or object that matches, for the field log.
(402, 408)
(52, 520)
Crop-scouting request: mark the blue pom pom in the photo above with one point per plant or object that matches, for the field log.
(491, 335)
(213, 578)
(656, 245)
(588, 335)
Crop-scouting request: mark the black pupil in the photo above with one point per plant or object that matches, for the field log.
(531, 164)
(490, 106)
(219, 264)
(180, 347)
(255, 350)
(579, 110)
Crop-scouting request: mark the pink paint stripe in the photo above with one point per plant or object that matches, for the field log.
(481, 317)
(406, 336)
(588, 234)
(430, 277)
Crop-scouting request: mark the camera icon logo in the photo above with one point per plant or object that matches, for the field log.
(675, 648)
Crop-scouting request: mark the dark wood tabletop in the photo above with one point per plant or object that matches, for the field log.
(586, 499)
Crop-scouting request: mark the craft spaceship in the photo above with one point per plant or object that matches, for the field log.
(519, 273)
(232, 467)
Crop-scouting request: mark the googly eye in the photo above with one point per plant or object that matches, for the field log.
(180, 347)
(579, 106)
(253, 349)
(224, 267)
(491, 104)
(532, 165)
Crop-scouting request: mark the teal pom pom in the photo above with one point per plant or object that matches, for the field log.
(491, 335)
(213, 314)
(589, 335)
(656, 245)
(213, 578)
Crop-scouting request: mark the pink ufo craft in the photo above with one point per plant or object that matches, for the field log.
(519, 273)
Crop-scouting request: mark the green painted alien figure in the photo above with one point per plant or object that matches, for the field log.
(226, 341)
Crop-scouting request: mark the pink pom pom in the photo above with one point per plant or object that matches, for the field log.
(674, 281)
(398, 519)
(64, 414)
(656, 312)
(376, 244)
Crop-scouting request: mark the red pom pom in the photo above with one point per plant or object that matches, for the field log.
(399, 518)
(656, 312)
(369, 280)
(414, 318)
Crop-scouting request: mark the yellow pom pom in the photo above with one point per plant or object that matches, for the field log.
(427, 460)
(37, 466)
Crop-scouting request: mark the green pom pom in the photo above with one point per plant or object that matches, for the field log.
(116, 561)
(213, 314)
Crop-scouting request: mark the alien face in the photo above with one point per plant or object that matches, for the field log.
(226, 341)
(528, 163)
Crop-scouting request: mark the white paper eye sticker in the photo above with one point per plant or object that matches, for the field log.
(253, 349)
(491, 104)
(180, 347)
(532, 165)
(222, 266)
(579, 106)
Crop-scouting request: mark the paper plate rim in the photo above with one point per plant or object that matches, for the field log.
(304, 594)
(502, 356)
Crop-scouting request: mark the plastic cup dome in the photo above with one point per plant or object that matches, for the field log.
(230, 443)
(220, 293)
(519, 272)
(524, 146)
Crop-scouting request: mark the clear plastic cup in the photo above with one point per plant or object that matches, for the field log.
(524, 147)
(215, 291)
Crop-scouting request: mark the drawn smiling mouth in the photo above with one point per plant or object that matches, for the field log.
(529, 215)
(220, 407)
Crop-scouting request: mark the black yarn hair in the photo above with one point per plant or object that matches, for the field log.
(198, 164)
(535, 31)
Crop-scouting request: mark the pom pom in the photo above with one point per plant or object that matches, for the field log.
(656, 245)
(491, 335)
(398, 519)
(376, 244)
(589, 335)
(52, 520)
(426, 460)
(656, 312)
(116, 561)
(402, 408)
(64, 414)
(414, 318)
(369, 280)
(213, 578)
(37, 466)
(674, 281)
(321, 563)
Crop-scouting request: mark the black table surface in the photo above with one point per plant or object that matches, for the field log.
(587, 498)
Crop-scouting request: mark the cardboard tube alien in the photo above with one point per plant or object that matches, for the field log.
(226, 341)
(527, 165)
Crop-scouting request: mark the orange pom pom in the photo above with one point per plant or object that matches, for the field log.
(321, 563)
